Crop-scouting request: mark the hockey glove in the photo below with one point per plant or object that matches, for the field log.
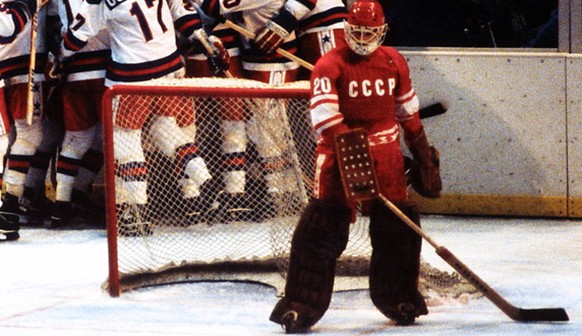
(218, 57)
(425, 175)
(272, 36)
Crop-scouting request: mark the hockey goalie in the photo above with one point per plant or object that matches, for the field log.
(365, 87)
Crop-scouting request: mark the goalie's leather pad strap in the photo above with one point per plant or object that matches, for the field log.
(395, 262)
(319, 239)
(356, 165)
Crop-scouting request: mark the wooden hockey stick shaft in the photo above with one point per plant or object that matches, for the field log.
(32, 64)
(515, 313)
(245, 32)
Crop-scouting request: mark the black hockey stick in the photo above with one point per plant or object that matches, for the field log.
(515, 313)
(432, 110)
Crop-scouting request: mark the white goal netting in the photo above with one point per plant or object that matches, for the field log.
(257, 144)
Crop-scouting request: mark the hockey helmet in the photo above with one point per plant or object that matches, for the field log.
(366, 26)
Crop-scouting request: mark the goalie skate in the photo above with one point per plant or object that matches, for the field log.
(406, 313)
(290, 322)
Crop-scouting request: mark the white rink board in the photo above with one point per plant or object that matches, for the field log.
(505, 131)
(574, 86)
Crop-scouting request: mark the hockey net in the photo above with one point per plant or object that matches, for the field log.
(219, 236)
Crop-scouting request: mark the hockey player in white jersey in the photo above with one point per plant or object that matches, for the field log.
(82, 90)
(8, 229)
(13, 17)
(14, 63)
(317, 23)
(233, 160)
(143, 47)
(263, 125)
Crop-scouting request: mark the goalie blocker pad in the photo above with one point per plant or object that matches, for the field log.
(356, 165)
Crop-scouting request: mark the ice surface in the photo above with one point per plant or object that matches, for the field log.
(50, 284)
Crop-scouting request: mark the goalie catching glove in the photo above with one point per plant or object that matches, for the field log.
(425, 175)
(218, 57)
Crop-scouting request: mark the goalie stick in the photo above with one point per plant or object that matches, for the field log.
(358, 189)
(515, 313)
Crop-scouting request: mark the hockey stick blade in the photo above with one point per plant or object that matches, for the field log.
(542, 314)
(515, 313)
(432, 110)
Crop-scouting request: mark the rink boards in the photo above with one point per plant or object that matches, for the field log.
(512, 138)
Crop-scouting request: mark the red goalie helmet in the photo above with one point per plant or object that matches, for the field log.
(366, 26)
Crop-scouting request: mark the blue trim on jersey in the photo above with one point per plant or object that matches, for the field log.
(71, 42)
(307, 3)
(137, 72)
(187, 24)
(18, 66)
(326, 18)
(111, 4)
(87, 61)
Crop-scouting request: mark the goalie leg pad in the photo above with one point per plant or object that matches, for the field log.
(395, 264)
(319, 239)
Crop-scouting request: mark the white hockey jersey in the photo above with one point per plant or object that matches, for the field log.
(141, 32)
(250, 14)
(15, 44)
(90, 61)
(327, 14)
